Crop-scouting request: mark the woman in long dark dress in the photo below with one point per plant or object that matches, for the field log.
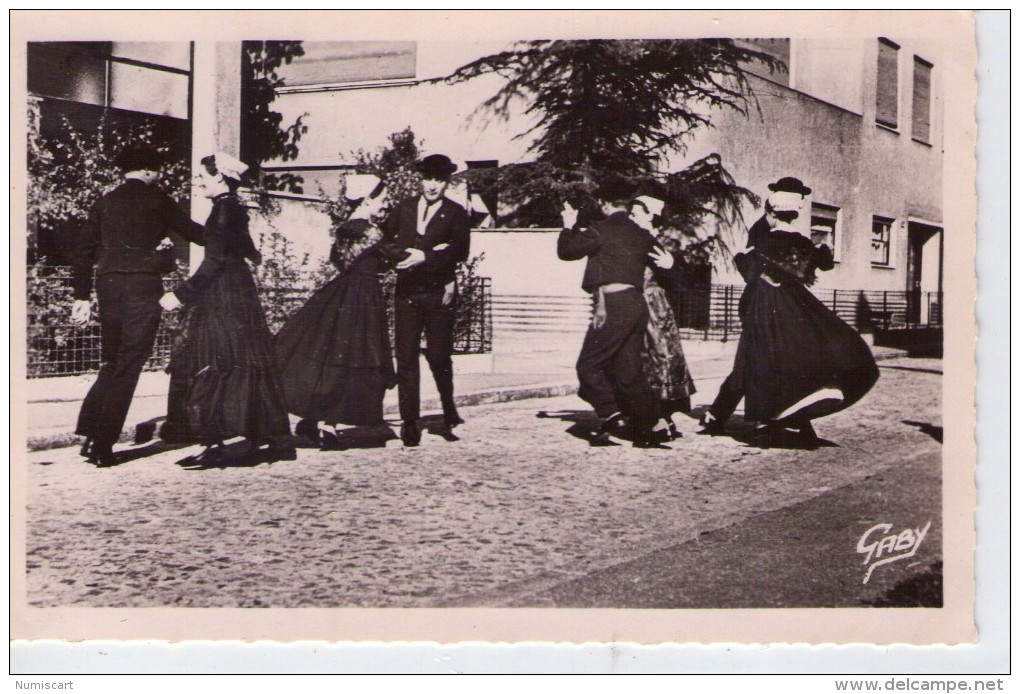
(226, 383)
(665, 364)
(334, 352)
(796, 360)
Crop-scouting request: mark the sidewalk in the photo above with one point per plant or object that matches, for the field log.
(522, 367)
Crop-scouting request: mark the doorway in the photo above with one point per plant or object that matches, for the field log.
(924, 274)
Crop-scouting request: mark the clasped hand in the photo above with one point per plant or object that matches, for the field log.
(416, 257)
(81, 311)
(169, 301)
(661, 257)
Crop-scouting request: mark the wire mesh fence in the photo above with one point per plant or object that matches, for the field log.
(711, 312)
(56, 347)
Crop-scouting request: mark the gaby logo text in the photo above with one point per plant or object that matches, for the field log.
(881, 545)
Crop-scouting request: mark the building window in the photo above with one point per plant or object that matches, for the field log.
(778, 49)
(110, 75)
(921, 119)
(824, 226)
(339, 63)
(887, 84)
(881, 240)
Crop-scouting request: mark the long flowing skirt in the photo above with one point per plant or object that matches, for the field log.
(664, 361)
(223, 374)
(796, 358)
(335, 354)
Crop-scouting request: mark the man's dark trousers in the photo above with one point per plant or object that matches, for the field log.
(610, 369)
(726, 401)
(129, 314)
(416, 313)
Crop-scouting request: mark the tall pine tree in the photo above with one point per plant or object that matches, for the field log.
(621, 107)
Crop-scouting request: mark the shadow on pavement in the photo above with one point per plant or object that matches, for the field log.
(239, 454)
(923, 590)
(435, 424)
(918, 369)
(584, 425)
(122, 457)
(926, 428)
(359, 437)
(745, 432)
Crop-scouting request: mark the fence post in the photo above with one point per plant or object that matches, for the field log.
(885, 309)
(726, 312)
(708, 318)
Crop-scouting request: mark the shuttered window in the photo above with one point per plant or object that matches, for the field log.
(921, 119)
(887, 87)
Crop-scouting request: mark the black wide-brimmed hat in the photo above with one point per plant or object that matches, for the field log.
(615, 188)
(789, 184)
(437, 167)
(138, 159)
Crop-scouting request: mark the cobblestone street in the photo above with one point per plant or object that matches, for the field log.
(520, 511)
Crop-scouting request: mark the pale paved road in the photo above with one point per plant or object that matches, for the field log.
(517, 512)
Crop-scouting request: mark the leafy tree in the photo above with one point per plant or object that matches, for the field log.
(603, 107)
(265, 136)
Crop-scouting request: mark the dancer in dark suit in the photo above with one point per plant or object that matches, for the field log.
(609, 368)
(122, 237)
(436, 233)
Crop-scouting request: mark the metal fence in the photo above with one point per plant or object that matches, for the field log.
(711, 312)
(56, 347)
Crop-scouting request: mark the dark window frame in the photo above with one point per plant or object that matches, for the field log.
(884, 241)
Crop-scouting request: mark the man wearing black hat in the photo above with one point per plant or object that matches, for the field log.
(781, 206)
(436, 232)
(122, 238)
(609, 368)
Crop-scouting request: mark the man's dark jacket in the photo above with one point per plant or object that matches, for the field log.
(449, 228)
(617, 250)
(122, 233)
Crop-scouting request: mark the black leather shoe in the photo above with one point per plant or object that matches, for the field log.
(331, 441)
(648, 441)
(212, 456)
(280, 451)
(710, 426)
(309, 429)
(410, 434)
(769, 435)
(807, 433)
(614, 425)
(102, 456)
(87, 447)
(452, 419)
